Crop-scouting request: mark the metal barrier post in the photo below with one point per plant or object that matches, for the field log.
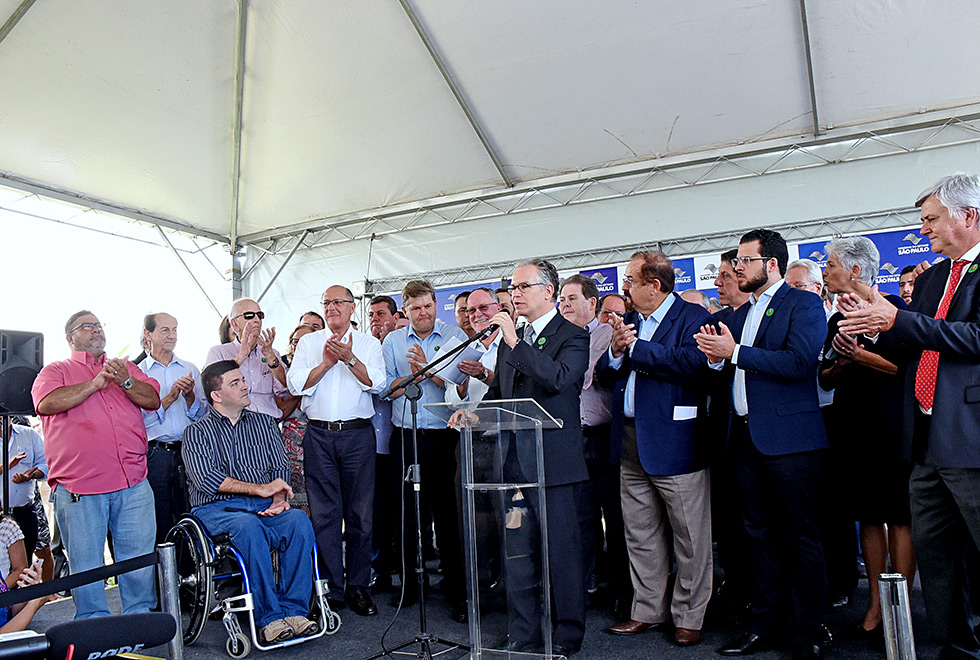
(169, 600)
(899, 644)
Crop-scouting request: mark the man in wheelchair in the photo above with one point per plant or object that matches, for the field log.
(238, 475)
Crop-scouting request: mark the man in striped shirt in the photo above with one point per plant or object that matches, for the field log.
(238, 478)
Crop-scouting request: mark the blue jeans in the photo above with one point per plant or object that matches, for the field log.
(129, 515)
(252, 535)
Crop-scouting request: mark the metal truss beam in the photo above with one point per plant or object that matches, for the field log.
(236, 158)
(85, 201)
(187, 268)
(880, 140)
(457, 93)
(14, 19)
(281, 268)
(809, 68)
(684, 246)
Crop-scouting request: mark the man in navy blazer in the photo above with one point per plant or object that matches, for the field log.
(941, 335)
(659, 376)
(776, 439)
(546, 361)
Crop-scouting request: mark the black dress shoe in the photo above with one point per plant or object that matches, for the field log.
(560, 649)
(807, 651)
(336, 604)
(361, 604)
(458, 612)
(747, 644)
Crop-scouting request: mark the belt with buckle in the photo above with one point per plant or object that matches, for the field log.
(344, 425)
(159, 444)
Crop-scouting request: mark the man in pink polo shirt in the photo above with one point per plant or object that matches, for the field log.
(95, 442)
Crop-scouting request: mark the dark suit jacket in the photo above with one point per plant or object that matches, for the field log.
(552, 373)
(781, 372)
(670, 395)
(953, 434)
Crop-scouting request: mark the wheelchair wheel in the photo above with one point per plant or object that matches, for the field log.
(333, 622)
(238, 646)
(195, 571)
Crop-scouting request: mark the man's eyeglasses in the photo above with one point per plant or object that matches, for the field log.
(251, 315)
(745, 261)
(485, 309)
(335, 303)
(523, 286)
(87, 327)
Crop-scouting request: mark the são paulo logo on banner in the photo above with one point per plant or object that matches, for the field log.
(605, 279)
(683, 274)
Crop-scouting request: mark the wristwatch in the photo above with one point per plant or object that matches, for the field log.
(128, 383)
(482, 377)
(352, 362)
(274, 365)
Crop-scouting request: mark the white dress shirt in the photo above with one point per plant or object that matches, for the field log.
(339, 395)
(757, 310)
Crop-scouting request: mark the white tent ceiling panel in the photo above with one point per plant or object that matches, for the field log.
(780, 199)
(877, 59)
(124, 102)
(558, 85)
(345, 110)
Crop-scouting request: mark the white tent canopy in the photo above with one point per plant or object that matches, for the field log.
(312, 124)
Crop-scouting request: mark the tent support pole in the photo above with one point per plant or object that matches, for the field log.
(187, 268)
(236, 161)
(237, 279)
(454, 88)
(282, 266)
(809, 69)
(15, 18)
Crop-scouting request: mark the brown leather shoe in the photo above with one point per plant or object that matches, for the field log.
(631, 627)
(687, 636)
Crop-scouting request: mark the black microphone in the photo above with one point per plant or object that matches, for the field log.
(490, 329)
(104, 637)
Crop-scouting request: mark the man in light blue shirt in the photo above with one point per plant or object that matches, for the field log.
(406, 351)
(182, 402)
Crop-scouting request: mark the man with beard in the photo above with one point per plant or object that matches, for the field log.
(776, 440)
(95, 441)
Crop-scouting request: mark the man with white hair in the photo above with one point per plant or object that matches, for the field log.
(251, 348)
(805, 274)
(941, 416)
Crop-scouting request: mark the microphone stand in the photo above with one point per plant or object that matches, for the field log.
(413, 392)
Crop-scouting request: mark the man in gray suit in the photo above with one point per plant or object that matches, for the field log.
(942, 401)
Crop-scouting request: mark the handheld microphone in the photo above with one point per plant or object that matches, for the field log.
(490, 329)
(105, 637)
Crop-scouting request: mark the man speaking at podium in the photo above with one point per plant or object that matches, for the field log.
(546, 361)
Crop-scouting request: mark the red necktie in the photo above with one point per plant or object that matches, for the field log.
(925, 376)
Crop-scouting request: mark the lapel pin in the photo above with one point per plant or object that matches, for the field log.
(769, 312)
(972, 268)
(542, 340)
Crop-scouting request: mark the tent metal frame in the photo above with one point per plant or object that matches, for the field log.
(845, 145)
(675, 247)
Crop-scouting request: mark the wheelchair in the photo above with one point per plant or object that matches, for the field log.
(208, 565)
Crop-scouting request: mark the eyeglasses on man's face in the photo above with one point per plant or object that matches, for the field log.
(248, 316)
(487, 309)
(523, 286)
(87, 327)
(745, 261)
(334, 303)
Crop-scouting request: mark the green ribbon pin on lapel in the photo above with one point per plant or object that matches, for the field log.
(769, 312)
(972, 268)
(541, 341)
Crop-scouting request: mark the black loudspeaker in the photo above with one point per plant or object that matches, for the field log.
(21, 359)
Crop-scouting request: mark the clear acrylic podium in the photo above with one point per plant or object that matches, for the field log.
(505, 526)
